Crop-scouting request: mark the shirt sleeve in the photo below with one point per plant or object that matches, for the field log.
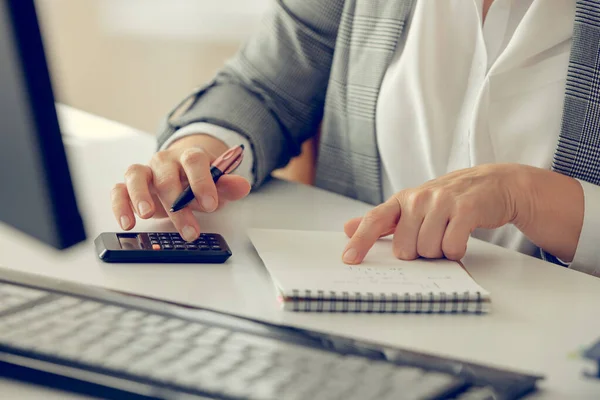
(587, 255)
(229, 137)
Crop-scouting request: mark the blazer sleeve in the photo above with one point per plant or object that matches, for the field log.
(272, 91)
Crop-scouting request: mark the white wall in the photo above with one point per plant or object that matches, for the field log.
(131, 60)
(202, 20)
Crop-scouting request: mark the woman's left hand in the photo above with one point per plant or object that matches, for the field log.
(436, 219)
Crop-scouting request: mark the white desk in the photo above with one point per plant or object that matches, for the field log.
(541, 312)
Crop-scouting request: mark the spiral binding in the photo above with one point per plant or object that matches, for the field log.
(428, 303)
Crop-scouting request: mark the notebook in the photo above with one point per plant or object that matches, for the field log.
(309, 275)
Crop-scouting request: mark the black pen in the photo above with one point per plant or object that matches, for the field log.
(225, 164)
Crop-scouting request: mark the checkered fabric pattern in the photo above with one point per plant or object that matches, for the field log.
(578, 151)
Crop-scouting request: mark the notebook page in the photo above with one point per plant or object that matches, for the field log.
(311, 260)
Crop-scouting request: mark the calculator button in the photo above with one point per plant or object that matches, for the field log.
(154, 241)
(204, 248)
(200, 242)
(218, 248)
(179, 247)
(152, 235)
(178, 242)
(156, 247)
(167, 247)
(175, 235)
(191, 247)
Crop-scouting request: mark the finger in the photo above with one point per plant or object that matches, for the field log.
(369, 230)
(196, 165)
(121, 206)
(407, 233)
(159, 210)
(431, 233)
(352, 225)
(168, 187)
(456, 236)
(232, 188)
(138, 179)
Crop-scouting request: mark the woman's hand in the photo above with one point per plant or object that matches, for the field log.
(436, 219)
(150, 190)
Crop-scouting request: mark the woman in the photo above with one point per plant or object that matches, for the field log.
(457, 117)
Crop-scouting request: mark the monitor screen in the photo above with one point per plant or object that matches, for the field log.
(37, 195)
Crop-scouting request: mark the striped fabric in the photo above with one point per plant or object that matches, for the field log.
(316, 61)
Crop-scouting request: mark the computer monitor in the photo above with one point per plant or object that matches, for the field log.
(36, 192)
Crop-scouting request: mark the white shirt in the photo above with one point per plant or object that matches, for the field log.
(488, 92)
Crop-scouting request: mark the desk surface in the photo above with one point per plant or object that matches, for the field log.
(541, 314)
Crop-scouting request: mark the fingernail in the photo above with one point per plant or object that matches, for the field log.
(144, 207)
(125, 222)
(188, 233)
(208, 203)
(350, 255)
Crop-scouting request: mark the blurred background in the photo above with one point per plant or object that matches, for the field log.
(132, 60)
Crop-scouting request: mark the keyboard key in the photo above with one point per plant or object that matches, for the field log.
(189, 332)
(406, 375)
(263, 390)
(19, 291)
(172, 324)
(196, 358)
(153, 319)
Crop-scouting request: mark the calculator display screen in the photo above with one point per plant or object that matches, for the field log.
(129, 242)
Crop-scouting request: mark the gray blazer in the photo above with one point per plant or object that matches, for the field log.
(323, 61)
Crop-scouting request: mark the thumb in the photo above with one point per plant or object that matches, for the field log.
(232, 188)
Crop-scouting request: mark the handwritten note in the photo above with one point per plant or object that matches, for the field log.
(392, 276)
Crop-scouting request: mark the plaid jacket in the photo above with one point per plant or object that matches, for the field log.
(323, 61)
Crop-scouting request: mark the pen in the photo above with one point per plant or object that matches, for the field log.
(226, 163)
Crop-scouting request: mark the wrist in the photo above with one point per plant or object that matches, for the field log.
(549, 210)
(523, 194)
(211, 145)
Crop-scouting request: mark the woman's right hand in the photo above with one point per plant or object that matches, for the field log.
(149, 190)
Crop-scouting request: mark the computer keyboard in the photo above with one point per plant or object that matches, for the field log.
(116, 346)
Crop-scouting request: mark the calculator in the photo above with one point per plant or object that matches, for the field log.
(161, 247)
